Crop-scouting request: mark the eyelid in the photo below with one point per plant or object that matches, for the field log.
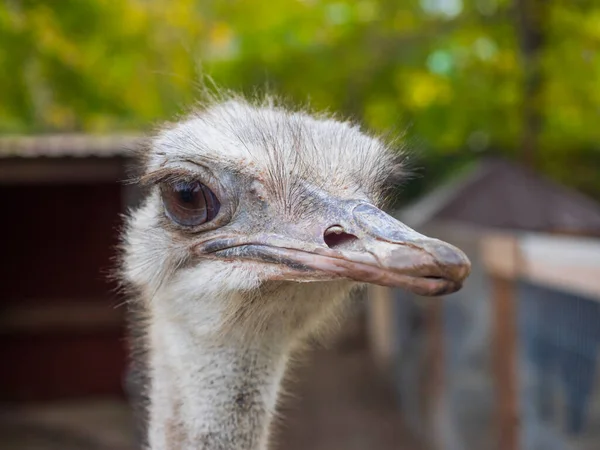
(181, 173)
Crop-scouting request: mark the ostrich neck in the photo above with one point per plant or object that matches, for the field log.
(210, 391)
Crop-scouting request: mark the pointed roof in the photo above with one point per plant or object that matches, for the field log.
(496, 193)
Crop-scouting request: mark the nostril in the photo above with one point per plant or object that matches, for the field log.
(336, 237)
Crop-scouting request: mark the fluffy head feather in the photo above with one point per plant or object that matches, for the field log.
(283, 147)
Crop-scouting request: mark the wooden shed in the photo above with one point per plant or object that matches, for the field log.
(61, 332)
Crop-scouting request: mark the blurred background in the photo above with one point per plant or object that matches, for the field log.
(499, 102)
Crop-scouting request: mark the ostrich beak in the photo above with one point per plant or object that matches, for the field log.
(382, 250)
(365, 245)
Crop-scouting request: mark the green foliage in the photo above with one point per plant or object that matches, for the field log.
(447, 73)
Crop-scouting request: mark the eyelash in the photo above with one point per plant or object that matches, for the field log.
(176, 179)
(162, 176)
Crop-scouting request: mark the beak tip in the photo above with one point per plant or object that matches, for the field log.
(453, 260)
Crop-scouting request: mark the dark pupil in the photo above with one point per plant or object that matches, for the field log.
(187, 195)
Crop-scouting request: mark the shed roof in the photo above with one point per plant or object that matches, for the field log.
(68, 145)
(500, 194)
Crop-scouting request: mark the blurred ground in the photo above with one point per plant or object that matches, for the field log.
(336, 402)
(339, 403)
(85, 425)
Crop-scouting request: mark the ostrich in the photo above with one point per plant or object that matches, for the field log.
(258, 223)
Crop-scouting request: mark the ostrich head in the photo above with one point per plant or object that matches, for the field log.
(258, 223)
(256, 200)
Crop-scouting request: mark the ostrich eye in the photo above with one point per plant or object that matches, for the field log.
(189, 204)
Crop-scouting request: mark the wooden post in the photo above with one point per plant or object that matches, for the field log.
(435, 331)
(505, 362)
(501, 257)
(434, 389)
(380, 323)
